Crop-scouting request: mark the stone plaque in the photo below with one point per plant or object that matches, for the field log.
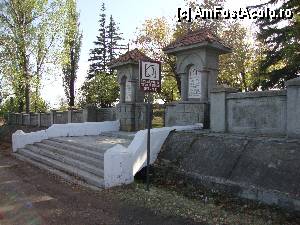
(194, 83)
(128, 89)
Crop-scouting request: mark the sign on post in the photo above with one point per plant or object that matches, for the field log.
(150, 81)
(150, 76)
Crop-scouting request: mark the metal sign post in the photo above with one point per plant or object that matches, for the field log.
(150, 81)
(149, 125)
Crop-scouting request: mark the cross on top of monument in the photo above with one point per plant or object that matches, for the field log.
(196, 39)
(130, 57)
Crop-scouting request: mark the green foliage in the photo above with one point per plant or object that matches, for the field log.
(240, 68)
(152, 36)
(215, 25)
(101, 87)
(98, 55)
(102, 90)
(29, 34)
(169, 90)
(113, 40)
(71, 50)
(107, 45)
(282, 38)
(10, 104)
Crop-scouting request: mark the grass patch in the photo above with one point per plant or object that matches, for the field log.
(167, 201)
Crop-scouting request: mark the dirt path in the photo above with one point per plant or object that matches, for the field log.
(29, 195)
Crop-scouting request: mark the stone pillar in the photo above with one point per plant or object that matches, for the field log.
(52, 116)
(122, 90)
(204, 85)
(8, 118)
(21, 119)
(89, 114)
(293, 108)
(70, 115)
(184, 86)
(85, 115)
(218, 117)
(39, 119)
(133, 90)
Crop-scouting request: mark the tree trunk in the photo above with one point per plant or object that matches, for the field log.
(244, 81)
(27, 97)
(72, 80)
(21, 105)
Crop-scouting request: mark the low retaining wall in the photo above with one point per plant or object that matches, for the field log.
(20, 139)
(260, 112)
(90, 114)
(263, 169)
(257, 112)
(185, 113)
(121, 163)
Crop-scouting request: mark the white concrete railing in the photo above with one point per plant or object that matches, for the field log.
(20, 139)
(121, 163)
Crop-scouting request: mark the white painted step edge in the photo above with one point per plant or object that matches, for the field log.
(67, 160)
(73, 171)
(56, 172)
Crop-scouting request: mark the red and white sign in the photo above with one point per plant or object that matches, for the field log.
(150, 76)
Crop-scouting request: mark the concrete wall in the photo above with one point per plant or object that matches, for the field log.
(45, 120)
(259, 168)
(262, 112)
(60, 117)
(186, 113)
(106, 114)
(77, 116)
(34, 119)
(26, 119)
(132, 116)
(257, 112)
(90, 114)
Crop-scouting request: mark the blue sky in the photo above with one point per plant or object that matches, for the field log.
(130, 14)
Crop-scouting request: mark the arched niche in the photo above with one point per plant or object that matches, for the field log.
(184, 61)
(123, 81)
(194, 82)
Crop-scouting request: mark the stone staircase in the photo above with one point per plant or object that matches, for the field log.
(80, 161)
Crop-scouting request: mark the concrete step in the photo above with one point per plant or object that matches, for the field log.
(120, 134)
(64, 175)
(86, 176)
(45, 151)
(86, 146)
(73, 148)
(71, 154)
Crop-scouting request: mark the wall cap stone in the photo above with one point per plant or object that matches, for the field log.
(256, 94)
(221, 88)
(293, 82)
(193, 102)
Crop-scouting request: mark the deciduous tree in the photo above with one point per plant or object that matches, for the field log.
(29, 35)
(71, 50)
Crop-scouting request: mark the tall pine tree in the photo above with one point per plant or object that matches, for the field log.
(107, 46)
(98, 55)
(101, 87)
(113, 39)
(282, 38)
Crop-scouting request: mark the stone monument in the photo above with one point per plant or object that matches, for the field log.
(131, 110)
(197, 62)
